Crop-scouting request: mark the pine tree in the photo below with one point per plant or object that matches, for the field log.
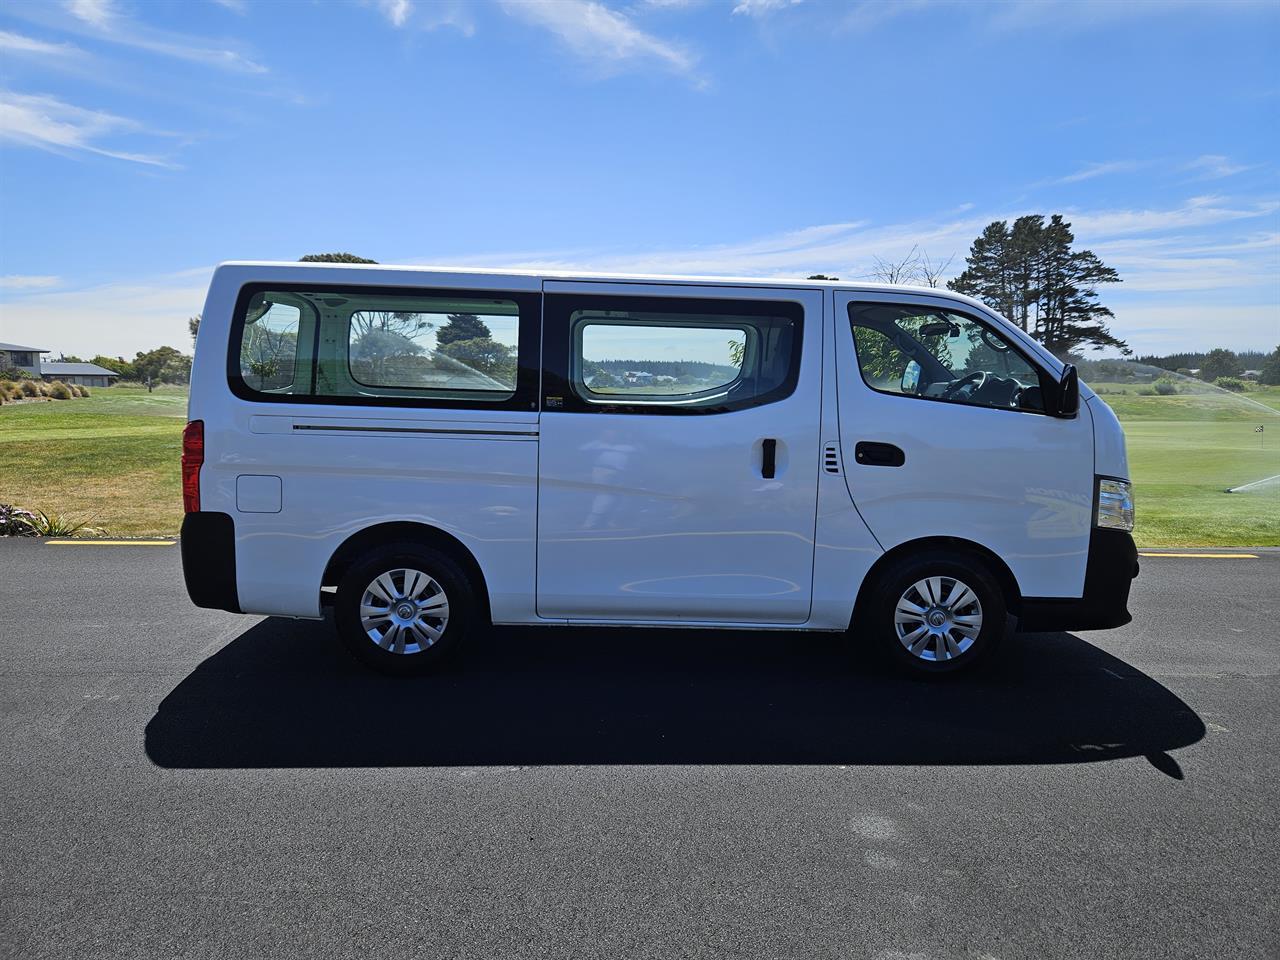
(462, 326)
(1031, 275)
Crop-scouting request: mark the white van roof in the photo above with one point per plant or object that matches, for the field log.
(599, 276)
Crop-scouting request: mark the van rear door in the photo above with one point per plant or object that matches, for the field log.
(678, 452)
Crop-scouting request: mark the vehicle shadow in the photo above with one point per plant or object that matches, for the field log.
(284, 695)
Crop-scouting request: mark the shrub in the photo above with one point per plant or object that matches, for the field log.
(30, 388)
(76, 389)
(56, 524)
(84, 391)
(1165, 387)
(15, 522)
(1146, 391)
(14, 373)
(60, 391)
(1234, 384)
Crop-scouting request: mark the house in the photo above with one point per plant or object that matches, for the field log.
(1251, 375)
(24, 358)
(84, 374)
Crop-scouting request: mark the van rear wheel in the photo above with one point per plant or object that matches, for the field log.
(937, 613)
(404, 608)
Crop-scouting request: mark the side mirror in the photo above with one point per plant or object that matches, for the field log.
(911, 377)
(1067, 401)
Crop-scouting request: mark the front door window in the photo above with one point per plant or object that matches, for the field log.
(941, 355)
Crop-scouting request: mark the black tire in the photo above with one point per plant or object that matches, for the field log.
(448, 576)
(934, 656)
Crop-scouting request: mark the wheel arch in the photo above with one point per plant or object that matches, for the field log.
(957, 545)
(369, 538)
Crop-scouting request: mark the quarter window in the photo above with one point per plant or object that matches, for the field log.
(941, 355)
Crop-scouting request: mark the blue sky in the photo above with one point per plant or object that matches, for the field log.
(143, 142)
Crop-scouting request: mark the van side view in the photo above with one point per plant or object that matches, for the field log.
(431, 451)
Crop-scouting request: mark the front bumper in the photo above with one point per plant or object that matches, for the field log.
(208, 545)
(1111, 569)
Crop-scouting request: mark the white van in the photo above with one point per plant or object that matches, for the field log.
(430, 451)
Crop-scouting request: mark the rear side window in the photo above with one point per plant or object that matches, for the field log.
(654, 355)
(386, 347)
(269, 347)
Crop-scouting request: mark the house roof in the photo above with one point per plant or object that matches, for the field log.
(76, 369)
(22, 349)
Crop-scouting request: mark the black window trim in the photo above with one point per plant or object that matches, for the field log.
(559, 391)
(1046, 380)
(525, 397)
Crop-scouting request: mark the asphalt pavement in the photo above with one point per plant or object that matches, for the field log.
(179, 782)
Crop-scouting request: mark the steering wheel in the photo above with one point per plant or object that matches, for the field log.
(977, 378)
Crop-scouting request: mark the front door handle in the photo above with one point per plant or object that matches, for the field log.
(769, 458)
(879, 454)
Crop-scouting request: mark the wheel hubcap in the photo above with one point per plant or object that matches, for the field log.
(938, 618)
(404, 611)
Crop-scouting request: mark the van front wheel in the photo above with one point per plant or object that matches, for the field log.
(403, 608)
(937, 613)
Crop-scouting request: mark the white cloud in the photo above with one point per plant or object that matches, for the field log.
(1099, 170)
(1196, 212)
(102, 20)
(761, 8)
(235, 6)
(1214, 166)
(17, 281)
(116, 319)
(17, 43)
(596, 33)
(48, 123)
(97, 13)
(1177, 325)
(396, 11)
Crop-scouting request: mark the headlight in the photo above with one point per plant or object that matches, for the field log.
(1114, 508)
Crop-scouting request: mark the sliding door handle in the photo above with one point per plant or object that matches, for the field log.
(769, 458)
(879, 454)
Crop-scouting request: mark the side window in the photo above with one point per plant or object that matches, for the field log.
(654, 355)
(648, 362)
(388, 347)
(269, 346)
(405, 351)
(941, 355)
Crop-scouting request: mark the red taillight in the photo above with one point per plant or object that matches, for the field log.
(192, 460)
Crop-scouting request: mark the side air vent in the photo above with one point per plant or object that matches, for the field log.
(831, 458)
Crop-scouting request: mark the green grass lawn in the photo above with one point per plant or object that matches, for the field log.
(113, 457)
(1186, 450)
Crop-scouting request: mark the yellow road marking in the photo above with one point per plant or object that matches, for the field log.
(1204, 556)
(110, 543)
